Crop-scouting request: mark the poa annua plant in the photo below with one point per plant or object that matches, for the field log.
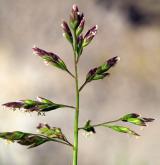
(73, 33)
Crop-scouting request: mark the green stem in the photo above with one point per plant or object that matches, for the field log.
(82, 86)
(66, 142)
(101, 124)
(108, 122)
(76, 118)
(68, 106)
(70, 73)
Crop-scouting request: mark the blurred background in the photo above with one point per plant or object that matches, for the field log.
(129, 29)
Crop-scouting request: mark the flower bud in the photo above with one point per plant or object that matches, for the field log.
(107, 65)
(67, 32)
(41, 106)
(100, 76)
(130, 115)
(14, 105)
(101, 71)
(148, 119)
(80, 27)
(91, 74)
(79, 45)
(50, 58)
(75, 8)
(90, 35)
(74, 17)
(80, 40)
(122, 129)
(88, 127)
(136, 119)
(111, 62)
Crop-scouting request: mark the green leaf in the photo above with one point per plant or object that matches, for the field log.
(121, 129)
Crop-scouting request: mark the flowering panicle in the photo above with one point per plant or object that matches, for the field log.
(23, 138)
(41, 106)
(47, 134)
(131, 118)
(75, 17)
(76, 23)
(100, 72)
(73, 32)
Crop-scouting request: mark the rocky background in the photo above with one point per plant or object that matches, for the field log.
(129, 29)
